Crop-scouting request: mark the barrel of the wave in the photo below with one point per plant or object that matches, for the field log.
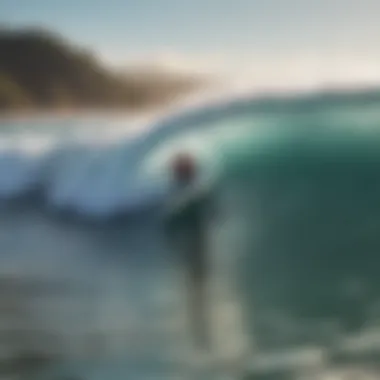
(308, 261)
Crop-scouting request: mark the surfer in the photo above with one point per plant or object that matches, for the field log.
(186, 227)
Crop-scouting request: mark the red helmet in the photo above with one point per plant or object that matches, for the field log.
(184, 167)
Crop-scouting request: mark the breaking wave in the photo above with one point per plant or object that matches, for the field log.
(102, 166)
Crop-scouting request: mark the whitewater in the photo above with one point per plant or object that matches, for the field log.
(81, 200)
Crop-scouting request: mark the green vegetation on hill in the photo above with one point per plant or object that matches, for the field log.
(39, 70)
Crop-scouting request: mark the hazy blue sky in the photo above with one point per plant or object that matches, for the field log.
(228, 34)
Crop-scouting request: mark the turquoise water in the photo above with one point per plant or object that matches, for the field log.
(294, 246)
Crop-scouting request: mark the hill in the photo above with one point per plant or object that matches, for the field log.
(41, 70)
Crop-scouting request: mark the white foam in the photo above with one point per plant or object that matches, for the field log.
(80, 163)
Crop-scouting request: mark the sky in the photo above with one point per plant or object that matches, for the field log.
(258, 41)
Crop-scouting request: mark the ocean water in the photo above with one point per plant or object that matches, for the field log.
(294, 281)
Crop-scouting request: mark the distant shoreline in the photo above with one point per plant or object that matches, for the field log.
(369, 93)
(132, 112)
(42, 73)
(16, 115)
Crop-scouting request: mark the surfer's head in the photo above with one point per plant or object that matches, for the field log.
(184, 168)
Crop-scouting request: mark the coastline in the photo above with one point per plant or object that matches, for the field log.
(156, 110)
(19, 115)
